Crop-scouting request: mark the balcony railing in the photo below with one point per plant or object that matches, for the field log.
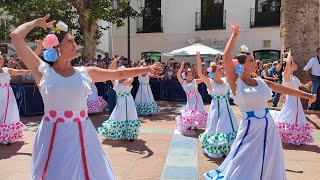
(264, 17)
(210, 22)
(147, 25)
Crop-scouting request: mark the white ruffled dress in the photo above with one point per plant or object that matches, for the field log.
(66, 145)
(194, 115)
(10, 126)
(96, 103)
(257, 150)
(123, 122)
(222, 125)
(291, 122)
(144, 99)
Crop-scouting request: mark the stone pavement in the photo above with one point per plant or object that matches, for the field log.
(160, 152)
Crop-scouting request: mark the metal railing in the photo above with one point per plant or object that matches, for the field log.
(265, 16)
(211, 21)
(148, 25)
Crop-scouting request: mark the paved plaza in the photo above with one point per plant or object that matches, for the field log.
(161, 152)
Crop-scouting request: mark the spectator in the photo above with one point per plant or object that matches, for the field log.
(280, 69)
(106, 58)
(125, 62)
(314, 65)
(170, 74)
(171, 62)
(265, 73)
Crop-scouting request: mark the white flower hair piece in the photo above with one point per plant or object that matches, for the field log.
(213, 64)
(121, 67)
(61, 26)
(144, 64)
(244, 49)
(188, 70)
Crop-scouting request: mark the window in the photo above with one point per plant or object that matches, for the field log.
(212, 15)
(151, 56)
(151, 21)
(265, 13)
(267, 55)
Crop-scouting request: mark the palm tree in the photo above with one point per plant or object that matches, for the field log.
(299, 31)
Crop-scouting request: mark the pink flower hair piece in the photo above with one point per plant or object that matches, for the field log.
(50, 41)
(235, 62)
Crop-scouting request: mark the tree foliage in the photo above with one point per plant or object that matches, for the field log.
(67, 11)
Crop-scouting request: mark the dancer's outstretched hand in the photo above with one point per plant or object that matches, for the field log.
(235, 28)
(312, 99)
(42, 22)
(156, 68)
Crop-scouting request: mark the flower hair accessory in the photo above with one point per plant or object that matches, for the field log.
(238, 68)
(61, 26)
(52, 41)
(50, 55)
(211, 75)
(244, 49)
(212, 64)
(184, 76)
(210, 70)
(121, 67)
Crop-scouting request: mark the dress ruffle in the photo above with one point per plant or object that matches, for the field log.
(86, 79)
(295, 134)
(147, 108)
(10, 133)
(97, 105)
(217, 145)
(191, 119)
(128, 129)
(44, 69)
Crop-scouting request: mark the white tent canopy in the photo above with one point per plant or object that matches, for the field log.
(192, 51)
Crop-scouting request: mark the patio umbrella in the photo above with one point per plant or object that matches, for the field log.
(192, 51)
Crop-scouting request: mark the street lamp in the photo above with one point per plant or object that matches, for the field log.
(128, 13)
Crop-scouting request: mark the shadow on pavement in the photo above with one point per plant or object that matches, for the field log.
(306, 147)
(137, 146)
(7, 151)
(217, 161)
(313, 123)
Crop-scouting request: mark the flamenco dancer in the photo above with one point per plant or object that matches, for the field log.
(222, 125)
(194, 115)
(66, 145)
(123, 122)
(96, 104)
(257, 150)
(291, 122)
(144, 99)
(10, 126)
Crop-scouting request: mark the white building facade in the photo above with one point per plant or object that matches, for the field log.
(184, 22)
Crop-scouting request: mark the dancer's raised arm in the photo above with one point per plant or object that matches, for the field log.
(286, 73)
(230, 73)
(29, 58)
(179, 74)
(199, 72)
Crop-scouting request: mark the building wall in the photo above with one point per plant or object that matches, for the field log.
(179, 27)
